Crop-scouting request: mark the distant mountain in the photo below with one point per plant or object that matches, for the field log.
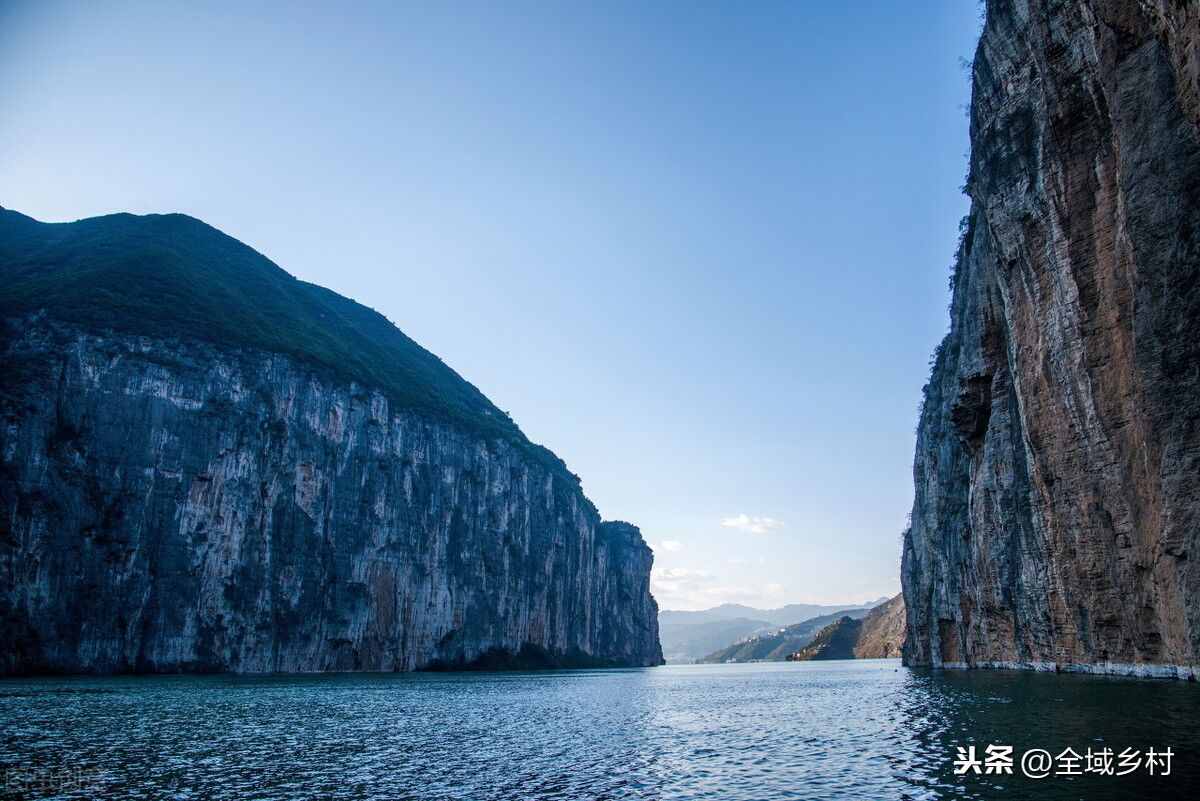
(877, 634)
(883, 631)
(776, 646)
(835, 641)
(689, 636)
(687, 642)
(783, 616)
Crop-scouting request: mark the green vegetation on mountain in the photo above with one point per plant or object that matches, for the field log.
(835, 641)
(778, 645)
(690, 636)
(883, 631)
(173, 277)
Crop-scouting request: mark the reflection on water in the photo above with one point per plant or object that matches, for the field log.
(834, 730)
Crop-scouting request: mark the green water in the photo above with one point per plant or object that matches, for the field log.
(838, 730)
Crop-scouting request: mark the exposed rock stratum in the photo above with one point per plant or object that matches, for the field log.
(207, 465)
(1057, 466)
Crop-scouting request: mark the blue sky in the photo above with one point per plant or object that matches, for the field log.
(700, 250)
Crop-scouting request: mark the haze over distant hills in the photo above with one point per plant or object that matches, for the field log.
(776, 644)
(782, 616)
(688, 636)
(850, 634)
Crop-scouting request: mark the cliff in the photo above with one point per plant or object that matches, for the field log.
(882, 633)
(1057, 466)
(207, 465)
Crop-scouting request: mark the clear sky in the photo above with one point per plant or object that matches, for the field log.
(699, 250)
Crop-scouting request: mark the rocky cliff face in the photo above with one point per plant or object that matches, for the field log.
(174, 504)
(882, 632)
(1057, 468)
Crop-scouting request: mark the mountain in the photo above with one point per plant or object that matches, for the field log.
(883, 631)
(687, 642)
(207, 464)
(688, 636)
(172, 277)
(835, 641)
(781, 616)
(1056, 520)
(877, 632)
(776, 646)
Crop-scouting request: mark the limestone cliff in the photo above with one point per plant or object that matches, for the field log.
(190, 483)
(1057, 466)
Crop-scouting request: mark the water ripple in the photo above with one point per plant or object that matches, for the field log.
(846, 730)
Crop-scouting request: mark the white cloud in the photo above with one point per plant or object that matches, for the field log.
(752, 525)
(667, 546)
(688, 588)
(674, 575)
(677, 580)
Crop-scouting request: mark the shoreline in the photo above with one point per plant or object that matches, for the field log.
(1134, 670)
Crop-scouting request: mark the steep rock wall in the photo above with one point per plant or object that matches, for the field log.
(175, 506)
(1057, 467)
